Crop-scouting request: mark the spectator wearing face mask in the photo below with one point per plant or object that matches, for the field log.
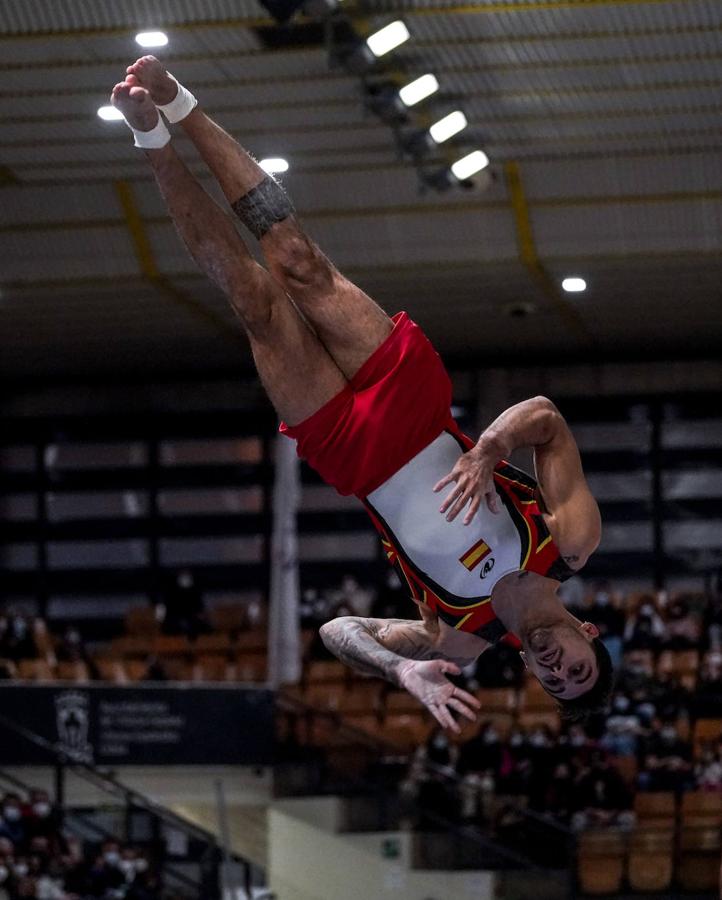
(16, 638)
(645, 628)
(604, 612)
(602, 798)
(105, 875)
(708, 770)
(666, 760)
(12, 825)
(42, 819)
(683, 625)
(622, 728)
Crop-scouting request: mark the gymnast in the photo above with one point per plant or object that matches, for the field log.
(481, 546)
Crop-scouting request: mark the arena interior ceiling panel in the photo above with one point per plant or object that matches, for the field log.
(601, 118)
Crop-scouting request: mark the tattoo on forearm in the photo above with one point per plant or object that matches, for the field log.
(379, 649)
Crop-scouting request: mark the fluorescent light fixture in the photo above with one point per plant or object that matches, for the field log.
(574, 285)
(388, 38)
(448, 126)
(470, 164)
(110, 113)
(419, 90)
(273, 165)
(151, 38)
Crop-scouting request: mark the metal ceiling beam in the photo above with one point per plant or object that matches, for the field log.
(513, 38)
(487, 68)
(530, 258)
(149, 267)
(488, 8)
(425, 209)
(601, 115)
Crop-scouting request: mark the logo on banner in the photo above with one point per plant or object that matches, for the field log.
(72, 719)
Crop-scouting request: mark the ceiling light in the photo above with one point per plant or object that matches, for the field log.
(388, 38)
(151, 38)
(274, 165)
(470, 164)
(419, 90)
(110, 113)
(574, 285)
(448, 126)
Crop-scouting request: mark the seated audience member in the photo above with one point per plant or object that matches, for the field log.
(604, 612)
(16, 638)
(623, 728)
(712, 622)
(559, 794)
(683, 626)
(500, 666)
(42, 819)
(105, 874)
(708, 769)
(183, 610)
(12, 825)
(644, 629)
(665, 760)
(155, 671)
(601, 797)
(72, 649)
(707, 700)
(670, 697)
(8, 670)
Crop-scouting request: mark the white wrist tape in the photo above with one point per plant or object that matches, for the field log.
(154, 139)
(179, 107)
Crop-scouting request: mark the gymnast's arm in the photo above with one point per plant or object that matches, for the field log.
(406, 653)
(570, 510)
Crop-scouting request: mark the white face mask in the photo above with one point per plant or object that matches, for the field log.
(20, 870)
(112, 857)
(3, 874)
(12, 813)
(41, 809)
(141, 865)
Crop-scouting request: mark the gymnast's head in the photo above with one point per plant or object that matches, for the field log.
(572, 665)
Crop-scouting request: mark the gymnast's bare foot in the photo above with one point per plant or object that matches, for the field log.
(136, 105)
(150, 73)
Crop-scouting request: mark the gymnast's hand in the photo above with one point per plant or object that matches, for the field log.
(473, 477)
(426, 680)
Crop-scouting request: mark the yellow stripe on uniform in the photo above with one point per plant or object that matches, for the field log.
(461, 621)
(543, 543)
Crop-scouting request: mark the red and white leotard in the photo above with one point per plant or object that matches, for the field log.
(388, 437)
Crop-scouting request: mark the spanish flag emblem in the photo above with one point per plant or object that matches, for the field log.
(474, 555)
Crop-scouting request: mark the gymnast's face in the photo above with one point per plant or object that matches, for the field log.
(562, 658)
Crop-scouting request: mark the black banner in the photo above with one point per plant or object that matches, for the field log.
(139, 725)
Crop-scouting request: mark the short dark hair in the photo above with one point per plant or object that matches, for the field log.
(596, 699)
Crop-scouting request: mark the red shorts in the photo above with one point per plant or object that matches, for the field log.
(393, 407)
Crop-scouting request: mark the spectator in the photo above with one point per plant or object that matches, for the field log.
(105, 875)
(602, 798)
(609, 619)
(73, 650)
(16, 638)
(500, 666)
(645, 628)
(682, 624)
(708, 695)
(666, 760)
(708, 770)
(622, 728)
(183, 610)
(12, 825)
(42, 819)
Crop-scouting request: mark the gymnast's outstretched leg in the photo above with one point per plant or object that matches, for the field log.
(295, 369)
(348, 322)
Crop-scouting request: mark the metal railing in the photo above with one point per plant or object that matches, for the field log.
(211, 859)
